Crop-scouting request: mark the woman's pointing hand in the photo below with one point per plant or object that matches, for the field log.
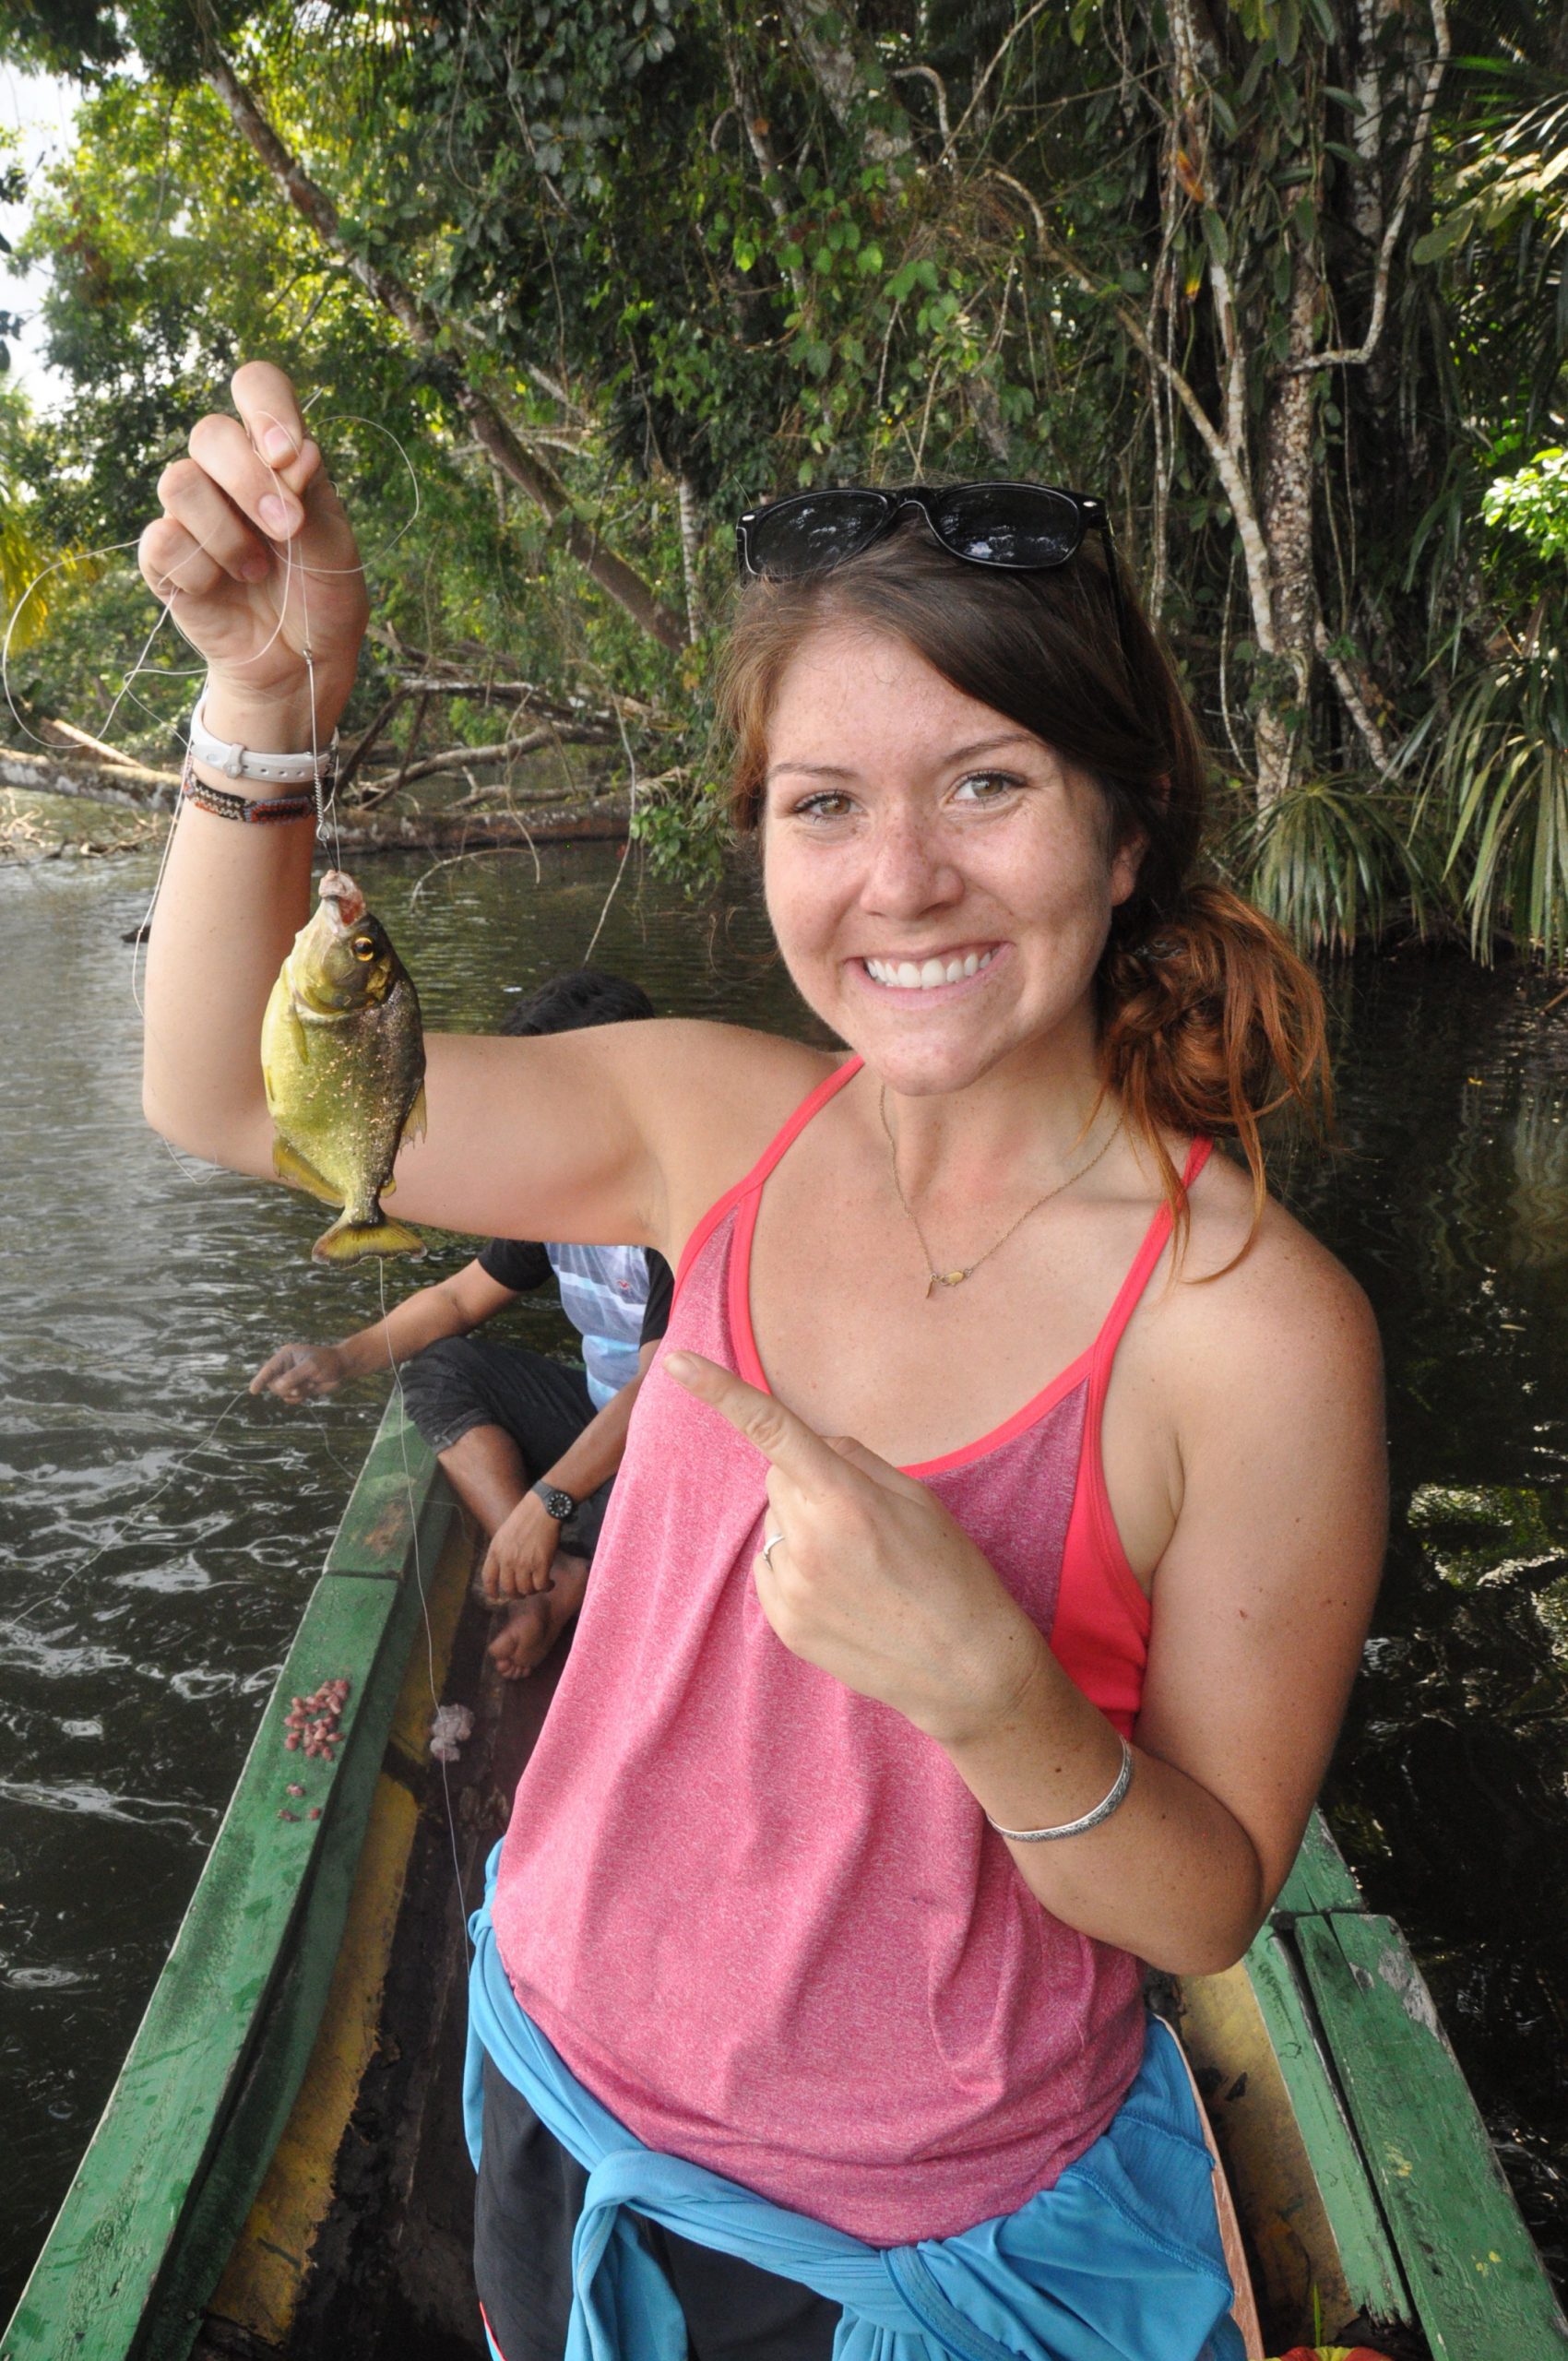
(871, 1579)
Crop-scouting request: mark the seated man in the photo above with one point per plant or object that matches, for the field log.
(531, 1446)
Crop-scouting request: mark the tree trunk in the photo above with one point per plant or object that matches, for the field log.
(1286, 515)
(825, 40)
(691, 551)
(424, 327)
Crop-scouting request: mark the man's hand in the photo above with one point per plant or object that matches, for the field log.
(521, 1552)
(298, 1372)
(871, 1579)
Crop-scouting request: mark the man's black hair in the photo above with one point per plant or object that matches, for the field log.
(582, 996)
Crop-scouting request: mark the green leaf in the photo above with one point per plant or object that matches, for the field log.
(1215, 236)
(1447, 234)
(1288, 30)
(1265, 55)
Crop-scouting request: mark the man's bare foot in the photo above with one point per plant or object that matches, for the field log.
(534, 1624)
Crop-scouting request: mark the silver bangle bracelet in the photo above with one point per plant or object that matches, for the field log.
(1074, 1827)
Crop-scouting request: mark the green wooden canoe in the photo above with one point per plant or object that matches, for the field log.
(279, 2169)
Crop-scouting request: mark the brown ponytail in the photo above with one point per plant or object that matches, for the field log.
(1210, 1025)
(1209, 1022)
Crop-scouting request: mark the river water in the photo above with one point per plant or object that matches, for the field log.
(160, 1529)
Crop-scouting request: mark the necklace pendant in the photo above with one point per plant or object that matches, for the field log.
(948, 1278)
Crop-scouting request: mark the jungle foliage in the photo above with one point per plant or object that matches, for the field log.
(1282, 278)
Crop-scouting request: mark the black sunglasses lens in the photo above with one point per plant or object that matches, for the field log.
(1021, 524)
(812, 531)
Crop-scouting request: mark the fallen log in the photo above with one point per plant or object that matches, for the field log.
(604, 822)
(85, 775)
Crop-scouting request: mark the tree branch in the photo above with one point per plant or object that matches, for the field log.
(1418, 138)
(1354, 703)
(424, 326)
(753, 122)
(456, 758)
(983, 84)
(1230, 463)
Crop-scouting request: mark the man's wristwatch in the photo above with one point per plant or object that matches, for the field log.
(557, 1503)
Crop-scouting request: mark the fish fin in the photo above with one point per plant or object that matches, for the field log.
(291, 1167)
(347, 1241)
(416, 1117)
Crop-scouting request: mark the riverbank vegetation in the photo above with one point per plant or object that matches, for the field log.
(574, 281)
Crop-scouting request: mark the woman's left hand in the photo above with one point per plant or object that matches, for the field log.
(873, 1581)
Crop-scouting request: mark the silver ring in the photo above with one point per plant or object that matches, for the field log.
(769, 1546)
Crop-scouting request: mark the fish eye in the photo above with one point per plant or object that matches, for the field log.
(363, 947)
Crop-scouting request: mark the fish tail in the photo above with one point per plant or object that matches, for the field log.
(347, 1240)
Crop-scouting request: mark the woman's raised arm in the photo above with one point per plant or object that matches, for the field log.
(257, 559)
(564, 1137)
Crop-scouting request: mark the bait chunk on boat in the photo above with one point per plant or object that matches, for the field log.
(343, 1056)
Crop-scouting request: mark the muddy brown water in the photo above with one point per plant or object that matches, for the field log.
(155, 1563)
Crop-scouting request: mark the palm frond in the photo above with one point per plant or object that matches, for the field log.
(1497, 785)
(1335, 864)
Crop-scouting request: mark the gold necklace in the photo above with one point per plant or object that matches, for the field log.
(955, 1279)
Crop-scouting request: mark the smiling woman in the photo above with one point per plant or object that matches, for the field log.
(973, 1620)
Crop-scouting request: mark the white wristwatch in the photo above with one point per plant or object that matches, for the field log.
(241, 761)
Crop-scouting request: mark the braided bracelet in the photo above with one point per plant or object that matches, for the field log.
(1102, 1811)
(258, 811)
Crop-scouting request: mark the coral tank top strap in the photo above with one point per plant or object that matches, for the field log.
(1155, 1240)
(783, 1139)
(1103, 1615)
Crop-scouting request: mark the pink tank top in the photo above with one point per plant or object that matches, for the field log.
(761, 1916)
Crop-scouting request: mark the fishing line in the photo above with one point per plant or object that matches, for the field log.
(424, 1605)
(42, 1606)
(631, 814)
(292, 563)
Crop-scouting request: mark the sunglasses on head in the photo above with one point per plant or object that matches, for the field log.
(1018, 527)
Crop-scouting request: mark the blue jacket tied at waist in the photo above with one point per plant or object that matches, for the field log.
(1120, 2261)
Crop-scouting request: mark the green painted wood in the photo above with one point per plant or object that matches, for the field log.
(91, 2286)
(1319, 1878)
(260, 2105)
(400, 1492)
(212, 2074)
(1366, 2251)
(1479, 2289)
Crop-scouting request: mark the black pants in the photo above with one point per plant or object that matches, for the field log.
(464, 1382)
(526, 2209)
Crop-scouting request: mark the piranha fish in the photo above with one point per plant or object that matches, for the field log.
(342, 1057)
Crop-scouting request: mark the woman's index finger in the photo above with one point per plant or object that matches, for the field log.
(784, 1440)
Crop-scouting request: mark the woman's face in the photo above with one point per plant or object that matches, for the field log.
(912, 835)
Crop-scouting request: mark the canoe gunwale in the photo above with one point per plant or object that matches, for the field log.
(216, 2062)
(1410, 2222)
